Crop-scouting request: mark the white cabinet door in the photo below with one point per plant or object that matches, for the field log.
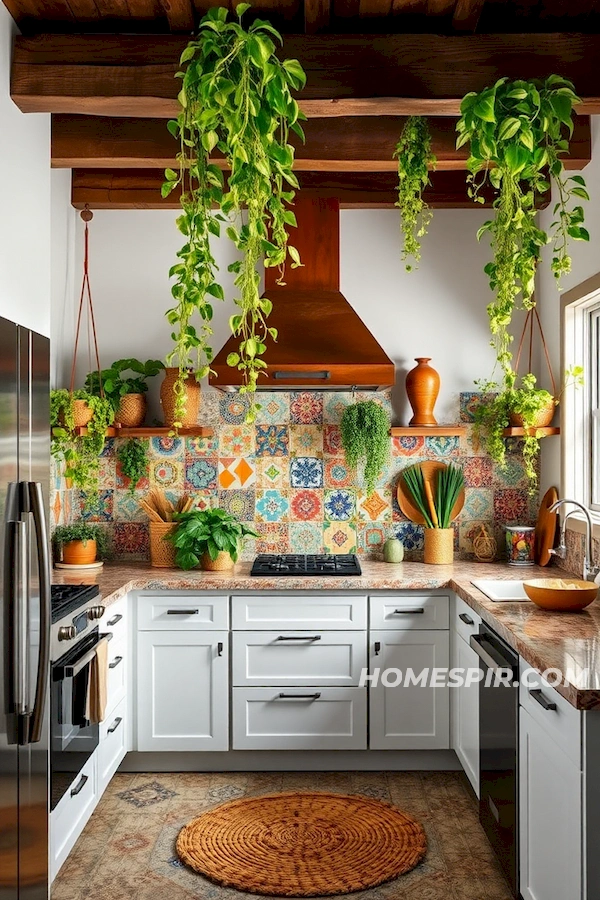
(113, 745)
(310, 611)
(464, 701)
(413, 716)
(550, 817)
(68, 819)
(183, 690)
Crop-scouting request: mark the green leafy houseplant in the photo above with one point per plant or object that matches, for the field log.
(518, 132)
(415, 159)
(80, 453)
(207, 533)
(84, 532)
(449, 483)
(236, 96)
(116, 383)
(133, 459)
(365, 431)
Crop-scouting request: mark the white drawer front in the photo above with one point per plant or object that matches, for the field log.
(407, 610)
(115, 619)
(113, 744)
(263, 658)
(563, 724)
(116, 688)
(181, 612)
(258, 613)
(322, 719)
(70, 816)
(466, 620)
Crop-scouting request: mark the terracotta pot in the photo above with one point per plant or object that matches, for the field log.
(542, 419)
(439, 546)
(223, 562)
(422, 388)
(82, 414)
(79, 553)
(192, 398)
(132, 411)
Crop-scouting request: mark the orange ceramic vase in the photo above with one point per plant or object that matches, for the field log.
(422, 388)
(79, 553)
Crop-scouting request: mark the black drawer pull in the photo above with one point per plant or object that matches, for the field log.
(300, 696)
(377, 648)
(115, 662)
(220, 648)
(466, 619)
(409, 611)
(114, 725)
(182, 612)
(114, 620)
(79, 786)
(543, 701)
(299, 637)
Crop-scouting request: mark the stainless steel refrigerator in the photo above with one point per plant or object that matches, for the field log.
(25, 619)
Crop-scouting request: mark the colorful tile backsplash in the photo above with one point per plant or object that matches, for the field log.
(287, 475)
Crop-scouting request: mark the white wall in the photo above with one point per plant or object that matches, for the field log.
(438, 310)
(25, 205)
(63, 285)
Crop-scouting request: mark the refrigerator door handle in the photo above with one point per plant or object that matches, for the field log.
(36, 507)
(16, 535)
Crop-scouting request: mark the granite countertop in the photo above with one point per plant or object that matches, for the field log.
(569, 642)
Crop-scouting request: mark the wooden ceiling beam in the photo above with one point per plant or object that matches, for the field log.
(140, 189)
(317, 15)
(180, 14)
(332, 145)
(393, 74)
(467, 14)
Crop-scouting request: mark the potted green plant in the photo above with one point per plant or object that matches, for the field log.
(212, 538)
(236, 96)
(79, 544)
(79, 451)
(415, 160)
(125, 385)
(133, 459)
(436, 504)
(365, 432)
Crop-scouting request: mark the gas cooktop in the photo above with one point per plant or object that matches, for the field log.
(67, 597)
(306, 564)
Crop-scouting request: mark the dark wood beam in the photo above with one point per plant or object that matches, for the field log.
(140, 189)
(394, 74)
(332, 145)
(466, 14)
(180, 14)
(317, 15)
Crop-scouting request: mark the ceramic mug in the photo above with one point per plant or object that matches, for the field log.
(520, 545)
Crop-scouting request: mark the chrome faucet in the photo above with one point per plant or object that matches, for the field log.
(590, 571)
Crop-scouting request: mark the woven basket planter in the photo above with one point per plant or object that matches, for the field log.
(541, 419)
(223, 562)
(168, 399)
(82, 414)
(162, 552)
(132, 411)
(439, 546)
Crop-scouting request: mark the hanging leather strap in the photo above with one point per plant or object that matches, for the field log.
(532, 318)
(87, 216)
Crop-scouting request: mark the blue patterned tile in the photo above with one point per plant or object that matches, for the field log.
(97, 508)
(306, 471)
(272, 506)
(233, 409)
(166, 446)
(340, 505)
(442, 446)
(197, 446)
(410, 534)
(272, 440)
(371, 538)
(274, 408)
(201, 474)
(306, 537)
(479, 504)
(109, 448)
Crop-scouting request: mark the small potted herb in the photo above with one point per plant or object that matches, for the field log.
(211, 538)
(365, 431)
(435, 502)
(133, 459)
(79, 544)
(80, 453)
(125, 385)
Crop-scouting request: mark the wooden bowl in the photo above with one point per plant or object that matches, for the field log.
(405, 502)
(561, 594)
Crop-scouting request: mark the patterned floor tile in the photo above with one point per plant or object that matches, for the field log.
(200, 474)
(131, 538)
(127, 507)
(479, 504)
(410, 535)
(98, 508)
(442, 447)
(478, 471)
(408, 445)
(511, 506)
(198, 446)
(371, 538)
(334, 404)
(375, 507)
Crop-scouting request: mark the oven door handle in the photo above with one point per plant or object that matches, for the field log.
(36, 507)
(70, 671)
(488, 654)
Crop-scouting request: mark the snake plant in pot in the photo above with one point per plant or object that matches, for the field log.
(436, 503)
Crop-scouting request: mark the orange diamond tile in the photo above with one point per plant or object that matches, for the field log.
(226, 479)
(374, 505)
(243, 471)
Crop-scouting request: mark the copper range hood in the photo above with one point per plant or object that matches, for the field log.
(322, 344)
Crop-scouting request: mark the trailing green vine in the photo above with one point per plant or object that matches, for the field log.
(518, 132)
(133, 458)
(365, 432)
(236, 97)
(79, 453)
(415, 159)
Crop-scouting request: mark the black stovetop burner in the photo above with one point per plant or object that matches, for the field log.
(67, 597)
(306, 564)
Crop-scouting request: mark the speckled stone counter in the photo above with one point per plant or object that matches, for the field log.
(569, 642)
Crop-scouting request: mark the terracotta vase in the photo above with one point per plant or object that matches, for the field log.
(192, 398)
(132, 411)
(422, 388)
(439, 546)
(223, 562)
(79, 553)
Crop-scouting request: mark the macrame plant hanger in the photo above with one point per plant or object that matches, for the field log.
(531, 320)
(85, 299)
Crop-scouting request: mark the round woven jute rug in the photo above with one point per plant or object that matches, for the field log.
(300, 844)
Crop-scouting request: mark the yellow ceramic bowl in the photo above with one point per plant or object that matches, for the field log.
(561, 594)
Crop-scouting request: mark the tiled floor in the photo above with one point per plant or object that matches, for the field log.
(127, 849)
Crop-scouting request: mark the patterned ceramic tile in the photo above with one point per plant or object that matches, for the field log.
(478, 471)
(147, 795)
(371, 538)
(98, 508)
(197, 446)
(339, 537)
(306, 537)
(479, 504)
(166, 446)
(306, 472)
(239, 503)
(334, 404)
(131, 538)
(109, 448)
(106, 472)
(272, 506)
(306, 505)
(207, 499)
(410, 534)
(337, 473)
(127, 507)
(332, 440)
(375, 507)
(408, 445)
(306, 407)
(340, 505)
(236, 474)
(512, 475)
(201, 474)
(236, 440)
(440, 446)
(469, 401)
(273, 537)
(274, 407)
(122, 481)
(233, 409)
(306, 440)
(272, 440)
(209, 408)
(272, 471)
(167, 473)
(511, 506)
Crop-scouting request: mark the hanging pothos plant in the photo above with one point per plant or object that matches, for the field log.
(518, 132)
(415, 159)
(236, 97)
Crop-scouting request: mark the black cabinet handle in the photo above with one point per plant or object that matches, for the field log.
(542, 700)
(466, 619)
(415, 611)
(114, 620)
(182, 612)
(299, 637)
(377, 647)
(114, 725)
(79, 786)
(300, 696)
(115, 662)
(220, 648)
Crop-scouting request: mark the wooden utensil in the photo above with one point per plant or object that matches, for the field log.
(545, 528)
(151, 512)
(405, 501)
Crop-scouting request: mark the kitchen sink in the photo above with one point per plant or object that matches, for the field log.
(499, 590)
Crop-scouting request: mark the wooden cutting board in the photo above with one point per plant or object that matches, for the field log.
(545, 528)
(405, 501)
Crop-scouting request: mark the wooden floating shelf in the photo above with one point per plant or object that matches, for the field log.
(431, 431)
(158, 431)
(523, 432)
